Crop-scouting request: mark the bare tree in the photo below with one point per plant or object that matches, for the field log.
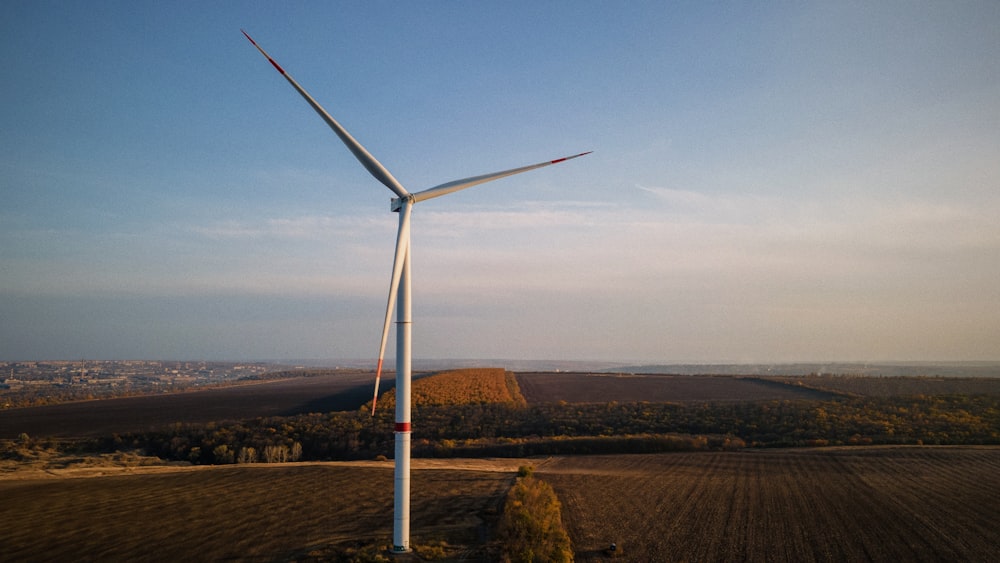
(275, 454)
(247, 455)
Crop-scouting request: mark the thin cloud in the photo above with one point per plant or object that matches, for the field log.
(290, 228)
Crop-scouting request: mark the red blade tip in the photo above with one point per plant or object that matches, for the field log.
(558, 160)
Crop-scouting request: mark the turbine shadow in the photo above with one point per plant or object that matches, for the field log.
(352, 398)
(349, 399)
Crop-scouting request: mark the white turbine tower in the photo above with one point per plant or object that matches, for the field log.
(399, 293)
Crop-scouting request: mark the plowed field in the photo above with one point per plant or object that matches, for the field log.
(896, 386)
(256, 513)
(851, 504)
(877, 504)
(600, 388)
(281, 397)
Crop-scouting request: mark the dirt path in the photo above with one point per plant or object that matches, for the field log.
(87, 467)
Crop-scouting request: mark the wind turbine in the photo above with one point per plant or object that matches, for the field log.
(399, 293)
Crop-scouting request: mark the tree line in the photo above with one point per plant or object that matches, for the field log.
(510, 429)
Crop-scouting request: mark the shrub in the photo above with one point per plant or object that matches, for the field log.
(433, 551)
(531, 526)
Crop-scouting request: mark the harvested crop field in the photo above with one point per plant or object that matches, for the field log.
(895, 386)
(874, 504)
(837, 504)
(594, 388)
(261, 513)
(280, 397)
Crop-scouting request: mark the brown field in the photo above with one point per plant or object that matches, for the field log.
(861, 504)
(601, 388)
(830, 504)
(259, 513)
(279, 397)
(895, 386)
(350, 391)
(848, 504)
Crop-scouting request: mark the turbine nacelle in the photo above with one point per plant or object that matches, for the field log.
(397, 203)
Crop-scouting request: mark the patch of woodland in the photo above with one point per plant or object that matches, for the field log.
(512, 430)
(480, 413)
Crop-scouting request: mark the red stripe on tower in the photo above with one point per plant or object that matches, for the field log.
(402, 427)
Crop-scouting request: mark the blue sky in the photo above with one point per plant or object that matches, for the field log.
(771, 181)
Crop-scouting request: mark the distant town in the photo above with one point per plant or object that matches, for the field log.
(38, 383)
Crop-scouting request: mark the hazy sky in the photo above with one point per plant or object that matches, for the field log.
(771, 181)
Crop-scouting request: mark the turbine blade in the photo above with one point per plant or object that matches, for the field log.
(456, 185)
(402, 254)
(373, 166)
